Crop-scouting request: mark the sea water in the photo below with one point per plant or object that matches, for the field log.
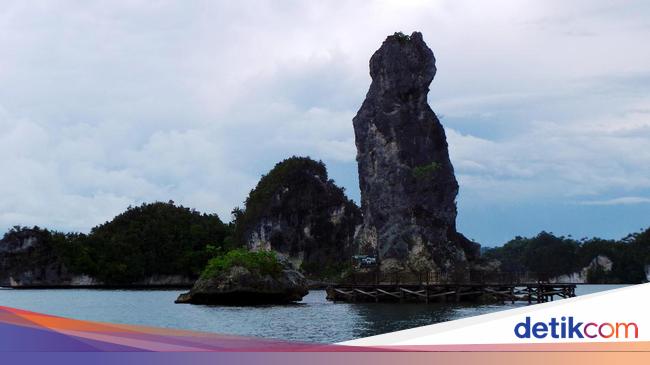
(314, 319)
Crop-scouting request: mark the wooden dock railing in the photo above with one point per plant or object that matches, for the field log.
(407, 286)
(530, 293)
(429, 277)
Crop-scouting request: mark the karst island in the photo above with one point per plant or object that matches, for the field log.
(297, 230)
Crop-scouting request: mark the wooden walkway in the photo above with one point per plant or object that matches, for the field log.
(530, 293)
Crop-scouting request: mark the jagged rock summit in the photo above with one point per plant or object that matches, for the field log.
(408, 187)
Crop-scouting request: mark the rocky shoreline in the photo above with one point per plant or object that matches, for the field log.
(239, 285)
(87, 282)
(99, 287)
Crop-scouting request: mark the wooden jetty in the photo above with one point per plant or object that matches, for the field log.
(428, 293)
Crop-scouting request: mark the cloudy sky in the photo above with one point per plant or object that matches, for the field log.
(103, 105)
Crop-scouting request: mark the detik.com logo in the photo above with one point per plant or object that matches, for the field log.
(568, 327)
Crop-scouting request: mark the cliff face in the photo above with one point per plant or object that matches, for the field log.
(298, 212)
(408, 187)
(28, 257)
(601, 265)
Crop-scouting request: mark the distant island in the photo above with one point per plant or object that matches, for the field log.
(161, 244)
(297, 228)
(564, 259)
(157, 244)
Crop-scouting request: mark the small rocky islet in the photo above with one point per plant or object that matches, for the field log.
(298, 228)
(276, 282)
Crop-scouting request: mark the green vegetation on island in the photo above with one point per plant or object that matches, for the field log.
(302, 215)
(259, 262)
(401, 37)
(165, 239)
(548, 256)
(425, 170)
(149, 240)
(297, 210)
(293, 172)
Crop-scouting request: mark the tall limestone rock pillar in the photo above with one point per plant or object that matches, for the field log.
(408, 187)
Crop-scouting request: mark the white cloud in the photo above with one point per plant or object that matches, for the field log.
(618, 201)
(556, 161)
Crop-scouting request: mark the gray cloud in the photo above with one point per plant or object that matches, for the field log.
(103, 105)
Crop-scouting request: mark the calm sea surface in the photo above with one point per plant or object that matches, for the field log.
(312, 320)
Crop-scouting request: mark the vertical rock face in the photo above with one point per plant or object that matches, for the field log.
(408, 187)
(298, 211)
(28, 257)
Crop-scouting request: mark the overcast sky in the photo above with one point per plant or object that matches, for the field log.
(103, 105)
